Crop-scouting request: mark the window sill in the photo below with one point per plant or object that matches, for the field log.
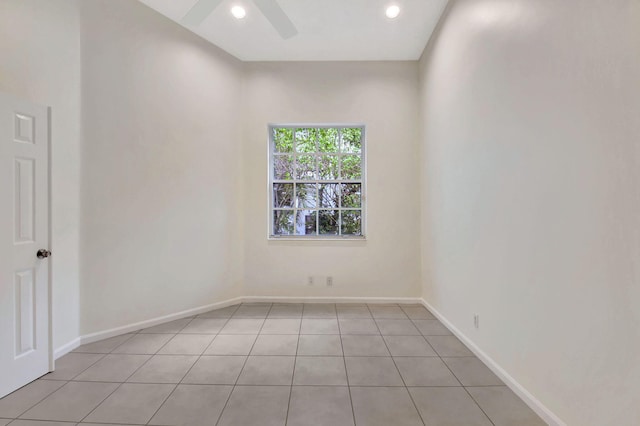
(316, 239)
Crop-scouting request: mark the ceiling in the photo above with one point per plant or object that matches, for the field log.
(328, 30)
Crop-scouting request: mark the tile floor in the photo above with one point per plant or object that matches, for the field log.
(274, 364)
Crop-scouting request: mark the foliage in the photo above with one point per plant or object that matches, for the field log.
(327, 155)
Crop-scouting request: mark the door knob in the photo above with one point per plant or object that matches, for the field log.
(43, 254)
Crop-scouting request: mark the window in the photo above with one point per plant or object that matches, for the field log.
(316, 181)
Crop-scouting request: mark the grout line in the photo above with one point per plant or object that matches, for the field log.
(116, 388)
(293, 373)
(192, 365)
(39, 401)
(242, 369)
(76, 375)
(291, 356)
(467, 391)
(346, 373)
(136, 370)
(454, 374)
(400, 374)
(236, 384)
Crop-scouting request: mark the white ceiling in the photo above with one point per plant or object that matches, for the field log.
(329, 30)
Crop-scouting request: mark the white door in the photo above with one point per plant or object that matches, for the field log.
(24, 229)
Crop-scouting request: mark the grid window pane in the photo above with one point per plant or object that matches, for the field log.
(283, 167)
(351, 167)
(351, 195)
(351, 141)
(306, 140)
(283, 140)
(317, 182)
(351, 222)
(306, 222)
(306, 167)
(283, 223)
(282, 195)
(328, 140)
(328, 222)
(329, 195)
(306, 195)
(328, 167)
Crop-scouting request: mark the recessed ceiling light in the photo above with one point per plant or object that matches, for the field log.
(393, 11)
(238, 12)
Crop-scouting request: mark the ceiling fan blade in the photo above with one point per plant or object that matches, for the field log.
(199, 12)
(274, 14)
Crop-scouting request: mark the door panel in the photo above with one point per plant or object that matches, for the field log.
(25, 346)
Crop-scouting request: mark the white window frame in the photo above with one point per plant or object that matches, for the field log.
(362, 181)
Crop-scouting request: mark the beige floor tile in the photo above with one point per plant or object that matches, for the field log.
(425, 371)
(286, 311)
(72, 402)
(319, 326)
(281, 326)
(372, 371)
(147, 344)
(16, 403)
(113, 368)
(384, 406)
(164, 369)
(72, 364)
(431, 327)
(417, 312)
(448, 346)
(472, 372)
(320, 406)
(267, 370)
(358, 326)
(256, 406)
(319, 345)
(392, 327)
(448, 406)
(187, 344)
(409, 346)
(387, 312)
(215, 370)
(275, 345)
(318, 370)
(229, 344)
(319, 310)
(242, 326)
(193, 405)
(131, 403)
(364, 346)
(353, 312)
(503, 407)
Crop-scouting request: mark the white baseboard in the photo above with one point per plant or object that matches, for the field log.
(66, 348)
(105, 334)
(537, 406)
(321, 299)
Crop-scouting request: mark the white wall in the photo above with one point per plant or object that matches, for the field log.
(40, 62)
(384, 97)
(531, 174)
(161, 168)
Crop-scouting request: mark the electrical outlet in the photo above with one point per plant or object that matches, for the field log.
(310, 280)
(329, 281)
(476, 321)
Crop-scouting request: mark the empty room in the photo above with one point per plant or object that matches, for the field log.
(320, 212)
